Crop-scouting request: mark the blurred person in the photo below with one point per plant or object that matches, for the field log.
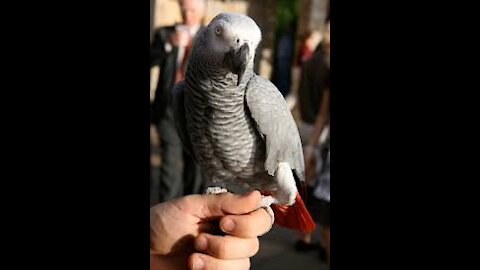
(179, 174)
(207, 231)
(314, 76)
(314, 100)
(308, 42)
(317, 163)
(307, 45)
(284, 59)
(322, 203)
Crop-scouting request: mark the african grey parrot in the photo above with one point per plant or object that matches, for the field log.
(237, 124)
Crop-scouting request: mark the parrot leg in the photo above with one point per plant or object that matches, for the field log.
(287, 189)
(216, 190)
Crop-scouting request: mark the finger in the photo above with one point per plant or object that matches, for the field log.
(198, 261)
(214, 206)
(249, 225)
(226, 247)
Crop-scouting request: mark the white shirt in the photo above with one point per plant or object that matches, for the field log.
(181, 49)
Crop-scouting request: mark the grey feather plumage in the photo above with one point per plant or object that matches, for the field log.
(238, 131)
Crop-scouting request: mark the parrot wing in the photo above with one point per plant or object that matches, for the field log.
(276, 125)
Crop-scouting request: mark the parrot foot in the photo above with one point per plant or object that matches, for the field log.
(215, 190)
(266, 201)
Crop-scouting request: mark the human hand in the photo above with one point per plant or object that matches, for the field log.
(207, 231)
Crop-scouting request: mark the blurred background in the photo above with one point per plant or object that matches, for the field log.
(294, 55)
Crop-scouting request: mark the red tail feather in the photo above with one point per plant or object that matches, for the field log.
(294, 217)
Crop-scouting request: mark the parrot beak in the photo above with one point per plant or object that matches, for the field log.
(237, 60)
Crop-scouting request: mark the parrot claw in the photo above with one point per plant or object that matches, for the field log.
(216, 190)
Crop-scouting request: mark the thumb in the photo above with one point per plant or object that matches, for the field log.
(213, 206)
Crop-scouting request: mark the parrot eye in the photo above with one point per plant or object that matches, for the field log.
(218, 31)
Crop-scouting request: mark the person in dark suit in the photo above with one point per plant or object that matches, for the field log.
(179, 175)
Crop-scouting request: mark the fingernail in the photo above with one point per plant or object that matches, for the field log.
(202, 243)
(228, 225)
(198, 264)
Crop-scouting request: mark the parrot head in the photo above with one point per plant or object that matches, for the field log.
(232, 38)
